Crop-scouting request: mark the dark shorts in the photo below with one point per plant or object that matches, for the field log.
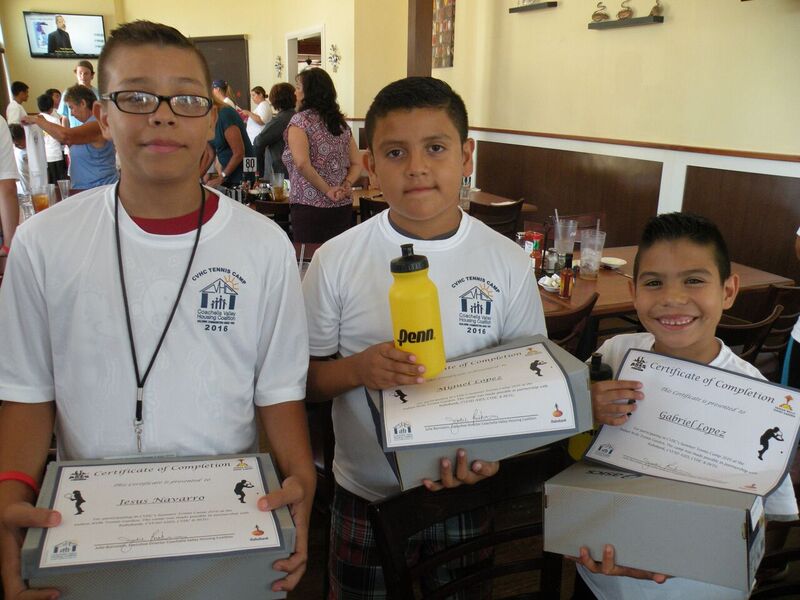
(56, 170)
(354, 564)
(311, 224)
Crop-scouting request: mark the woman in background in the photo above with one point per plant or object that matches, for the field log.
(322, 160)
(260, 115)
(281, 97)
(231, 145)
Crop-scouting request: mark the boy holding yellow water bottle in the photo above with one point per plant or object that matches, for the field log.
(419, 152)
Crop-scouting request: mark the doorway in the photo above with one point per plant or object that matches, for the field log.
(303, 51)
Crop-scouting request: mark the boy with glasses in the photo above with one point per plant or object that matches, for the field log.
(96, 284)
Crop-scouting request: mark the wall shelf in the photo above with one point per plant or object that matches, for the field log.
(649, 20)
(527, 7)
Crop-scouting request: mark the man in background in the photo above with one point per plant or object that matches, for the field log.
(58, 42)
(84, 73)
(15, 111)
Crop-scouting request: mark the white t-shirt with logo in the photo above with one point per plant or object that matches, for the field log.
(487, 296)
(264, 111)
(237, 340)
(780, 504)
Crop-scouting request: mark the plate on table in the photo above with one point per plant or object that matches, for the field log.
(548, 288)
(550, 284)
(611, 262)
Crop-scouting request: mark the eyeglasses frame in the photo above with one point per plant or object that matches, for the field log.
(112, 96)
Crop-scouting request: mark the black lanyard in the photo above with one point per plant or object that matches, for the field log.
(138, 422)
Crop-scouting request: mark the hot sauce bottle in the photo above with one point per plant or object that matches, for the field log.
(567, 276)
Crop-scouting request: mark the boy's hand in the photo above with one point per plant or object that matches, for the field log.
(383, 366)
(15, 519)
(609, 567)
(291, 495)
(464, 473)
(613, 401)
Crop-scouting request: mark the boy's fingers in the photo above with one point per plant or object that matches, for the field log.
(462, 466)
(23, 515)
(291, 492)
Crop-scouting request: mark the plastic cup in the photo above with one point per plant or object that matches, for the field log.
(26, 206)
(41, 199)
(64, 187)
(592, 242)
(276, 181)
(564, 232)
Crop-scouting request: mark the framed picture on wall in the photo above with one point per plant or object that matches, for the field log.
(444, 20)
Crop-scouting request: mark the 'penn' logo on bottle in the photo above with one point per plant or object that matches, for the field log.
(415, 337)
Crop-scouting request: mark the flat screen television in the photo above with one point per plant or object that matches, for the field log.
(63, 35)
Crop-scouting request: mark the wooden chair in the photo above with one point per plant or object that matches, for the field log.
(744, 337)
(277, 211)
(773, 351)
(502, 218)
(569, 330)
(513, 499)
(787, 556)
(368, 208)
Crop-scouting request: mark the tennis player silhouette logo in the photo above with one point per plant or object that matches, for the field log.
(770, 434)
(401, 395)
(78, 500)
(240, 487)
(535, 367)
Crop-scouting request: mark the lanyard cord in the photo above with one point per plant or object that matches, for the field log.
(140, 381)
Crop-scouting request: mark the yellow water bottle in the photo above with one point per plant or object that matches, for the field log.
(414, 304)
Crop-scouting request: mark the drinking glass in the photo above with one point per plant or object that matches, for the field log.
(276, 180)
(26, 206)
(64, 187)
(592, 242)
(41, 198)
(564, 232)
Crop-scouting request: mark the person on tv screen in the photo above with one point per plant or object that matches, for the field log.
(58, 42)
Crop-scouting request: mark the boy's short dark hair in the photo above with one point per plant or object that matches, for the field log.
(281, 96)
(18, 87)
(45, 102)
(78, 93)
(259, 90)
(417, 92)
(141, 33)
(17, 132)
(685, 226)
(85, 64)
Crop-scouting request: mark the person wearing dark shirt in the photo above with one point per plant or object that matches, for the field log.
(58, 42)
(281, 97)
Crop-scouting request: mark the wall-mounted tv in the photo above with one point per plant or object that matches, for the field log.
(62, 35)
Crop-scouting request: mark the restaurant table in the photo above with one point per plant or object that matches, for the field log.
(613, 285)
(477, 196)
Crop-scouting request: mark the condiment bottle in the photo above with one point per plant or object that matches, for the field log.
(536, 251)
(414, 304)
(567, 276)
(598, 371)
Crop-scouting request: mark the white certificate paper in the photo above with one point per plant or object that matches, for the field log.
(703, 425)
(514, 392)
(133, 511)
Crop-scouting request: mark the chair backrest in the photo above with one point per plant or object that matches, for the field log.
(502, 218)
(277, 211)
(368, 208)
(778, 338)
(513, 499)
(750, 336)
(567, 329)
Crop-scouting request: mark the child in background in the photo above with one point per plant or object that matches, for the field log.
(419, 152)
(54, 151)
(161, 244)
(682, 283)
(21, 158)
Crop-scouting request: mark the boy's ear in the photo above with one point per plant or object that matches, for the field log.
(730, 287)
(101, 114)
(467, 151)
(368, 161)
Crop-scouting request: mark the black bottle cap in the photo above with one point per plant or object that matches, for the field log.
(568, 260)
(409, 262)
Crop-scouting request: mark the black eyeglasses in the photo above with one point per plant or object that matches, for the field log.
(145, 103)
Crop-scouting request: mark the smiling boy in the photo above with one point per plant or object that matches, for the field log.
(93, 285)
(419, 152)
(682, 283)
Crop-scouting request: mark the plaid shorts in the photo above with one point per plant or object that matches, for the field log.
(354, 564)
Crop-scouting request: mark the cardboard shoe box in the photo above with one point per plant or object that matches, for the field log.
(680, 529)
(245, 574)
(414, 463)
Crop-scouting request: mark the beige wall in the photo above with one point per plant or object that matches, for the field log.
(43, 73)
(717, 73)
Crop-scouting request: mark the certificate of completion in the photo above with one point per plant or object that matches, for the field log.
(703, 425)
(131, 511)
(514, 392)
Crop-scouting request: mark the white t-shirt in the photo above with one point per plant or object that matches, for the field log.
(15, 112)
(237, 340)
(780, 504)
(8, 165)
(264, 111)
(24, 181)
(346, 291)
(52, 146)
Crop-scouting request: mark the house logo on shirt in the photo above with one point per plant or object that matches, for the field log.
(476, 306)
(219, 299)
